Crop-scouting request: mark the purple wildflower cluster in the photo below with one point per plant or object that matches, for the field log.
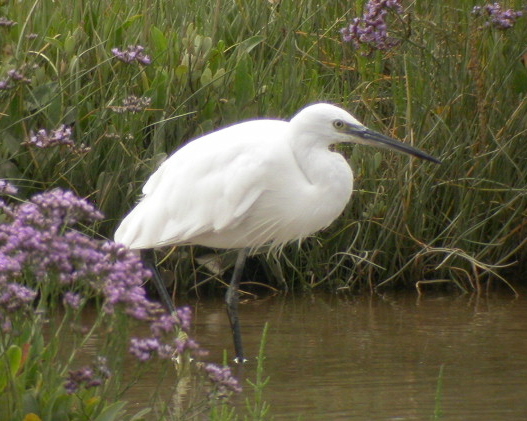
(371, 29)
(6, 188)
(13, 78)
(14, 297)
(34, 237)
(87, 376)
(162, 343)
(5, 22)
(72, 300)
(223, 379)
(62, 136)
(39, 246)
(133, 104)
(43, 139)
(133, 53)
(497, 17)
(39, 238)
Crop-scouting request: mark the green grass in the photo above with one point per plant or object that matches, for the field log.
(438, 409)
(450, 88)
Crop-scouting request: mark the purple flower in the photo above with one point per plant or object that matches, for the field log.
(14, 77)
(6, 326)
(165, 324)
(14, 297)
(169, 337)
(133, 104)
(184, 315)
(62, 208)
(372, 30)
(39, 244)
(133, 53)
(144, 349)
(222, 379)
(7, 188)
(101, 366)
(72, 300)
(498, 18)
(6, 22)
(17, 76)
(76, 378)
(35, 239)
(59, 137)
(43, 139)
(185, 344)
(87, 376)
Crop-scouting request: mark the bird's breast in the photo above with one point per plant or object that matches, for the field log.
(302, 203)
(321, 202)
(295, 201)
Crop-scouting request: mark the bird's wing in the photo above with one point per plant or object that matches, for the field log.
(208, 185)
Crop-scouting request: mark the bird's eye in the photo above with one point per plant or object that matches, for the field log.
(338, 124)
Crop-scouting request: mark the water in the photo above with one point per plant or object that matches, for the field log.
(378, 358)
(373, 358)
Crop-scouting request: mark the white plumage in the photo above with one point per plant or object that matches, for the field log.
(246, 185)
(252, 184)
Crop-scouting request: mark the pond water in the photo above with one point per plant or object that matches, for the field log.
(333, 357)
(379, 358)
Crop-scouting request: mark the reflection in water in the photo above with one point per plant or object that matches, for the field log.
(372, 358)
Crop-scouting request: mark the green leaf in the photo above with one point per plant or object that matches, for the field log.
(159, 90)
(111, 412)
(130, 21)
(30, 403)
(60, 406)
(377, 160)
(181, 71)
(9, 170)
(219, 78)
(243, 82)
(43, 95)
(69, 45)
(205, 46)
(519, 78)
(10, 143)
(206, 77)
(246, 46)
(91, 404)
(159, 40)
(140, 415)
(9, 365)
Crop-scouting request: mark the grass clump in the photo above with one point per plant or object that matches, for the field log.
(115, 86)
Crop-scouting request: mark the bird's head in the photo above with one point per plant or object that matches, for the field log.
(330, 124)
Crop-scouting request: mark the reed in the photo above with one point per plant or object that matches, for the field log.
(451, 85)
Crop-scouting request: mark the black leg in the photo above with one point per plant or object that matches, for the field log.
(148, 258)
(232, 298)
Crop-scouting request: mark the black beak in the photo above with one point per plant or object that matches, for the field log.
(369, 137)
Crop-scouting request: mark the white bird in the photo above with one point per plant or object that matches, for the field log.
(256, 183)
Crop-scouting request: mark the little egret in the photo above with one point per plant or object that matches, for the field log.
(256, 183)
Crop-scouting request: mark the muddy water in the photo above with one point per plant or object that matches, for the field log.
(377, 358)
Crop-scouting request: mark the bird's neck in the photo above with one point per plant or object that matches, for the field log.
(323, 167)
